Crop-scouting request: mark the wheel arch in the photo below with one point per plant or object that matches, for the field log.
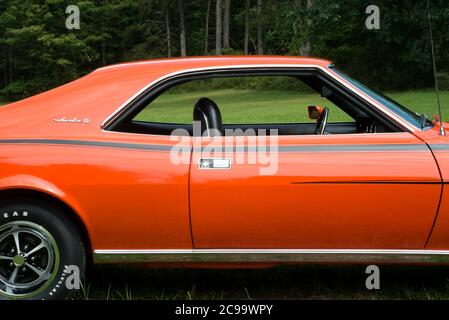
(42, 196)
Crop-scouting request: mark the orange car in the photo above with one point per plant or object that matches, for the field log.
(83, 178)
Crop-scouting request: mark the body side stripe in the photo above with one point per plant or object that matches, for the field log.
(439, 147)
(119, 145)
(319, 148)
(297, 148)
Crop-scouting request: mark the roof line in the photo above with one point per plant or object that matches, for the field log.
(171, 60)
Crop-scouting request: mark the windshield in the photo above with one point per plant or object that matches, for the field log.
(417, 119)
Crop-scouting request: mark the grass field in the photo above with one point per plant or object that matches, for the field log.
(247, 106)
(287, 282)
(292, 282)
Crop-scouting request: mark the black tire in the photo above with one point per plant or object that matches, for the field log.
(65, 239)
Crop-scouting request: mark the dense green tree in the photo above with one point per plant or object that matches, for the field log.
(38, 52)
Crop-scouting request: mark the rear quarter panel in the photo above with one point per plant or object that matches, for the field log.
(127, 198)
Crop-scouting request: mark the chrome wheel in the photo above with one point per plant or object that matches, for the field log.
(29, 259)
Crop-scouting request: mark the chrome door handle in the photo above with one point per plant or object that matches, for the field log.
(214, 164)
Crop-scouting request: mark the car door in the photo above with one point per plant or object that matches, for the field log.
(366, 191)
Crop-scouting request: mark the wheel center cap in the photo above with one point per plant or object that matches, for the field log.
(18, 261)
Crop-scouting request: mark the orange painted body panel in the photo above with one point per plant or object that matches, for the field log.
(128, 199)
(132, 198)
(305, 205)
(440, 234)
(433, 138)
(438, 143)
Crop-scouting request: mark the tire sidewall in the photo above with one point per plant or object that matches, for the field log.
(65, 234)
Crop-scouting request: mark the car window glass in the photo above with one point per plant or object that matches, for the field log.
(241, 100)
(402, 111)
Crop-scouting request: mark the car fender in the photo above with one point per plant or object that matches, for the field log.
(33, 183)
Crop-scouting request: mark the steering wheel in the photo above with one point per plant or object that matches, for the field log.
(322, 121)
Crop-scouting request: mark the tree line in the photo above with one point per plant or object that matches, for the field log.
(38, 52)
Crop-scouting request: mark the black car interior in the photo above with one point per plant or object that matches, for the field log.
(207, 112)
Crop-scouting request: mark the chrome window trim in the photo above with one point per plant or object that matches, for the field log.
(309, 135)
(326, 70)
(272, 255)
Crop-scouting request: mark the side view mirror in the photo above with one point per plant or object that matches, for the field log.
(315, 112)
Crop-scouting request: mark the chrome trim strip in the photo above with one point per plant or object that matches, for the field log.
(297, 148)
(272, 255)
(138, 134)
(328, 71)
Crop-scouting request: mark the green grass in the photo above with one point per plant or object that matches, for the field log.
(287, 282)
(249, 106)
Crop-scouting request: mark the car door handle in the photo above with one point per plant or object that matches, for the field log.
(214, 164)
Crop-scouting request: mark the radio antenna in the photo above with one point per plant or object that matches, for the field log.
(437, 91)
